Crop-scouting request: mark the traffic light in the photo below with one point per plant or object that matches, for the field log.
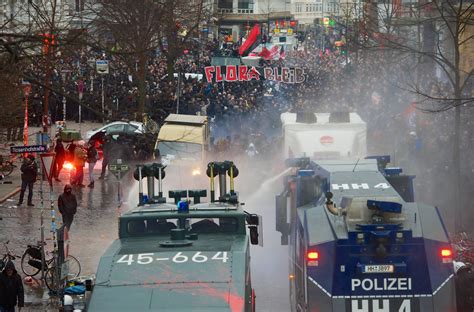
(48, 41)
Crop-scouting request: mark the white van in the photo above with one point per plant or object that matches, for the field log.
(324, 135)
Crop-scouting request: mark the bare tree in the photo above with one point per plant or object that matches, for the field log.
(450, 23)
(10, 111)
(180, 24)
(35, 36)
(135, 26)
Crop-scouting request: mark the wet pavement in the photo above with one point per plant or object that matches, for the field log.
(95, 227)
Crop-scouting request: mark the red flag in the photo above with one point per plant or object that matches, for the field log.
(282, 53)
(252, 41)
(273, 51)
(265, 54)
(269, 54)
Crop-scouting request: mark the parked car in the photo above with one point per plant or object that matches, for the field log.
(117, 127)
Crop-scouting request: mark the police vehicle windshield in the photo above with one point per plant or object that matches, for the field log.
(180, 150)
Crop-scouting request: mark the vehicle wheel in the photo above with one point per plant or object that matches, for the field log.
(29, 265)
(51, 280)
(74, 267)
(7, 168)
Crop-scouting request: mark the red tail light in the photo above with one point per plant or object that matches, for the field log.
(313, 255)
(446, 255)
(312, 258)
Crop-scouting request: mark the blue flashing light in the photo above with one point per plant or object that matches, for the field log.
(393, 171)
(384, 206)
(305, 173)
(183, 206)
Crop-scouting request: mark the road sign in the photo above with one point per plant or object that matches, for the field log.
(28, 149)
(102, 66)
(119, 169)
(80, 89)
(26, 88)
(47, 161)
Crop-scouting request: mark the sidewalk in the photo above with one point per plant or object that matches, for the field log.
(9, 190)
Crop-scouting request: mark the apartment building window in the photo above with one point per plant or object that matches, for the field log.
(332, 7)
(225, 4)
(245, 6)
(299, 7)
(319, 7)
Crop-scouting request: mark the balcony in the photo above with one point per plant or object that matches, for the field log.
(225, 11)
(229, 16)
(235, 11)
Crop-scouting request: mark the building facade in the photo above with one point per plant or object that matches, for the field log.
(307, 12)
(235, 17)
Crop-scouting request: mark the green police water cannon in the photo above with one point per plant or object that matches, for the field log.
(151, 172)
(201, 246)
(220, 169)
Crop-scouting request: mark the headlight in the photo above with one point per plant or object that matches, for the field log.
(196, 171)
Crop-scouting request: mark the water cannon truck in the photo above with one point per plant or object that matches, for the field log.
(359, 242)
(180, 254)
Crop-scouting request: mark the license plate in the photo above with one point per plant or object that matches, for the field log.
(378, 268)
(383, 305)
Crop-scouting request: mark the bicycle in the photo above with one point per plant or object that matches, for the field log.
(8, 256)
(6, 166)
(31, 265)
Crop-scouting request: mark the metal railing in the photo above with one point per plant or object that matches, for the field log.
(238, 11)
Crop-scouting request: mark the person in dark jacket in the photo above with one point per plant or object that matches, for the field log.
(464, 282)
(92, 157)
(106, 149)
(11, 289)
(67, 204)
(59, 158)
(29, 171)
(70, 152)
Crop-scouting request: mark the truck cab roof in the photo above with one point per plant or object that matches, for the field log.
(189, 119)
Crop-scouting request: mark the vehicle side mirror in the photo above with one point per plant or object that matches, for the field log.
(89, 285)
(255, 226)
(329, 195)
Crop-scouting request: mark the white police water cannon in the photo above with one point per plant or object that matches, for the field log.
(151, 172)
(220, 169)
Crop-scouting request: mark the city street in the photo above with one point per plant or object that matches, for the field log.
(337, 134)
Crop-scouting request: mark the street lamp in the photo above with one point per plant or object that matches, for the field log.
(26, 91)
(80, 89)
